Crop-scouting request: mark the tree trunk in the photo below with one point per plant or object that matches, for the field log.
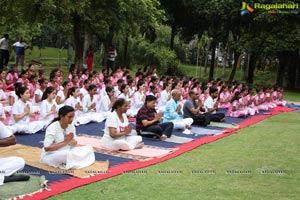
(245, 67)
(283, 58)
(252, 65)
(124, 60)
(298, 70)
(225, 59)
(88, 39)
(292, 69)
(78, 38)
(173, 34)
(69, 53)
(232, 74)
(212, 63)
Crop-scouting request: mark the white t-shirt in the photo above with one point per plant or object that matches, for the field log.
(209, 103)
(114, 122)
(18, 108)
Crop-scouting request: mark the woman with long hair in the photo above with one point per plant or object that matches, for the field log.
(21, 113)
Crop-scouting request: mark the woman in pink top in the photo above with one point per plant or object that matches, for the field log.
(185, 90)
(224, 97)
(205, 93)
(11, 78)
(244, 100)
(260, 100)
(278, 97)
(268, 98)
(236, 108)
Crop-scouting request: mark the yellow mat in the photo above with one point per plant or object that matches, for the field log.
(32, 155)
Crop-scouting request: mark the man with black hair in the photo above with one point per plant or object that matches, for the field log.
(211, 105)
(4, 53)
(148, 121)
(192, 109)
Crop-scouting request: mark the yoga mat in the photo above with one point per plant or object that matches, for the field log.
(205, 131)
(32, 156)
(146, 151)
(23, 188)
(178, 139)
(223, 125)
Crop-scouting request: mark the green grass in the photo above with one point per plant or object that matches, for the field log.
(262, 147)
(268, 145)
(264, 158)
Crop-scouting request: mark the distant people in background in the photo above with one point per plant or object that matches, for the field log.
(111, 55)
(89, 56)
(4, 53)
(11, 78)
(19, 48)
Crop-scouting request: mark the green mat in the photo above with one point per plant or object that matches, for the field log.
(15, 189)
(223, 125)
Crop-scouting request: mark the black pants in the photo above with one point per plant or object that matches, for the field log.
(4, 58)
(202, 119)
(217, 117)
(159, 129)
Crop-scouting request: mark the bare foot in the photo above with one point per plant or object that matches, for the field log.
(188, 126)
(139, 145)
(163, 137)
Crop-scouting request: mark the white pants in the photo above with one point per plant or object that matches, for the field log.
(182, 124)
(30, 128)
(125, 143)
(88, 117)
(9, 166)
(74, 158)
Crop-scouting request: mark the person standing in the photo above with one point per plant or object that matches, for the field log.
(111, 57)
(20, 47)
(4, 53)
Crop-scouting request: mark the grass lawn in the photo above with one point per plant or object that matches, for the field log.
(260, 162)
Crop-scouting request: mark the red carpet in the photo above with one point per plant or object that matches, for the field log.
(71, 183)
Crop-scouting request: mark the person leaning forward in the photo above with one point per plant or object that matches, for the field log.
(148, 121)
(192, 108)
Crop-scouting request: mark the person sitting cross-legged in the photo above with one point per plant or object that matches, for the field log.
(148, 121)
(173, 112)
(10, 165)
(192, 108)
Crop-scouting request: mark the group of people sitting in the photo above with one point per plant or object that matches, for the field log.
(157, 105)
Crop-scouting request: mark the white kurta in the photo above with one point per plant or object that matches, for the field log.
(46, 108)
(127, 142)
(23, 126)
(136, 103)
(8, 165)
(102, 106)
(66, 157)
(87, 101)
(60, 94)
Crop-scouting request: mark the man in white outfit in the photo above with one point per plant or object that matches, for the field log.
(10, 165)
